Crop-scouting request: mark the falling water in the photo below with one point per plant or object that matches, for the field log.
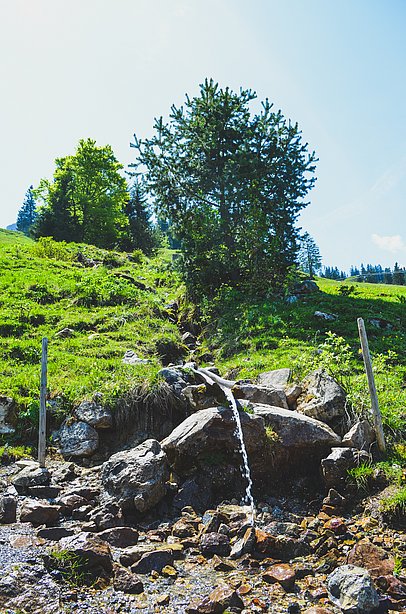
(225, 385)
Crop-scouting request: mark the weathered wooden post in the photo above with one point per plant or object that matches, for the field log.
(376, 414)
(43, 404)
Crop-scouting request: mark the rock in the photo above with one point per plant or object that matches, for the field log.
(175, 378)
(94, 414)
(30, 476)
(371, 557)
(131, 358)
(28, 588)
(196, 492)
(200, 396)
(351, 589)
(8, 509)
(120, 537)
(261, 394)
(189, 340)
(82, 512)
(223, 598)
(329, 317)
(153, 561)
(278, 378)
(136, 478)
(77, 439)
(215, 543)
(65, 333)
(54, 533)
(292, 395)
(305, 287)
(381, 323)
(283, 574)
(70, 502)
(7, 415)
(317, 610)
(334, 499)
(360, 436)
(334, 468)
(184, 528)
(39, 512)
(126, 581)
(243, 545)
(91, 549)
(322, 398)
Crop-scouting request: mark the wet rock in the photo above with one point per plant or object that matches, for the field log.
(371, 557)
(54, 533)
(278, 378)
(94, 414)
(91, 549)
(334, 499)
(153, 561)
(244, 545)
(223, 598)
(201, 396)
(8, 509)
(283, 574)
(28, 588)
(261, 394)
(39, 512)
(136, 478)
(351, 589)
(215, 543)
(126, 581)
(120, 537)
(30, 476)
(322, 398)
(337, 526)
(360, 436)
(334, 467)
(196, 492)
(77, 439)
(265, 542)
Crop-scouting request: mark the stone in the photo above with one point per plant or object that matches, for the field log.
(329, 317)
(376, 560)
(153, 561)
(94, 414)
(244, 545)
(360, 436)
(351, 589)
(120, 537)
(200, 396)
(184, 528)
(8, 509)
(261, 394)
(28, 588)
(39, 512)
(317, 610)
(30, 476)
(282, 573)
(175, 378)
(189, 340)
(322, 398)
(65, 333)
(131, 358)
(334, 499)
(305, 287)
(7, 415)
(215, 543)
(223, 598)
(44, 492)
(335, 466)
(126, 581)
(136, 479)
(381, 323)
(70, 502)
(292, 395)
(77, 439)
(278, 378)
(91, 549)
(54, 533)
(82, 512)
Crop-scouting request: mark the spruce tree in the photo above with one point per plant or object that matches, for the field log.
(142, 234)
(28, 213)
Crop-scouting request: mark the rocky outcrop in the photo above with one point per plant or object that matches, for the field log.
(322, 398)
(77, 439)
(136, 479)
(278, 378)
(94, 414)
(261, 394)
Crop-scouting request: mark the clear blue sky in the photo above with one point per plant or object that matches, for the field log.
(103, 69)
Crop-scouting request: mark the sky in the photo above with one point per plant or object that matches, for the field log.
(104, 69)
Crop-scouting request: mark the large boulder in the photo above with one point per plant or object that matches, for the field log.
(335, 466)
(39, 512)
(94, 414)
(322, 398)
(77, 439)
(261, 394)
(278, 378)
(352, 590)
(136, 478)
(93, 551)
(30, 476)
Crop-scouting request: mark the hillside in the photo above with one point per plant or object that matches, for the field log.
(108, 303)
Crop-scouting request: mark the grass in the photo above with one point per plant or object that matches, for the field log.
(74, 568)
(117, 305)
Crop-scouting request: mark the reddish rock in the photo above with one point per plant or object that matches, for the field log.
(215, 543)
(153, 561)
(39, 512)
(221, 599)
(337, 525)
(282, 573)
(126, 581)
(373, 558)
(265, 542)
(90, 548)
(120, 537)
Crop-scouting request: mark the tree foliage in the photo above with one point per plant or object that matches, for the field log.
(309, 257)
(28, 213)
(231, 183)
(85, 200)
(142, 234)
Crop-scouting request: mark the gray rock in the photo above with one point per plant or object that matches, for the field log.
(360, 436)
(126, 581)
(120, 537)
(297, 431)
(94, 414)
(54, 533)
(131, 358)
(215, 543)
(8, 509)
(39, 512)
(175, 378)
(306, 287)
(329, 317)
(334, 468)
(137, 478)
(261, 394)
(200, 396)
(351, 589)
(65, 333)
(292, 395)
(153, 561)
(7, 408)
(278, 378)
(31, 476)
(44, 492)
(28, 588)
(322, 397)
(77, 439)
(93, 551)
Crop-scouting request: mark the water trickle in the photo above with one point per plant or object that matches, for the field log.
(226, 386)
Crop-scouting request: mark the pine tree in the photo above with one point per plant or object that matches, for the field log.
(309, 255)
(142, 233)
(28, 213)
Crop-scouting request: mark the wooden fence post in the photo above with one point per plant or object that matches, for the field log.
(43, 404)
(376, 414)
